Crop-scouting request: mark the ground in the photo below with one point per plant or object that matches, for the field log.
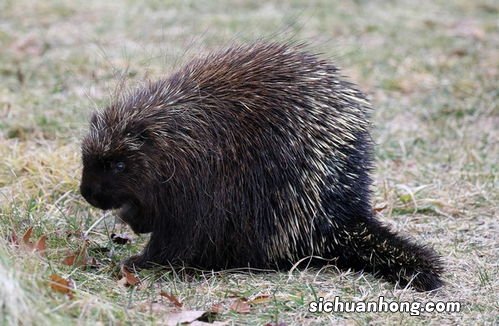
(430, 69)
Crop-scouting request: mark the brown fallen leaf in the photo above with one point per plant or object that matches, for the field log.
(173, 299)
(27, 236)
(80, 258)
(41, 245)
(80, 261)
(129, 278)
(182, 317)
(240, 306)
(69, 260)
(380, 208)
(169, 315)
(61, 285)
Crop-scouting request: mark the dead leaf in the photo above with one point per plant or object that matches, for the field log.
(380, 208)
(182, 317)
(240, 306)
(41, 245)
(129, 278)
(61, 285)
(80, 258)
(173, 299)
(80, 261)
(121, 239)
(175, 316)
(27, 236)
(69, 260)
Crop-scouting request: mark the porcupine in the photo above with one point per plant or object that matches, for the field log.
(254, 156)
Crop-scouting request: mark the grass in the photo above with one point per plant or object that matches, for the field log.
(430, 68)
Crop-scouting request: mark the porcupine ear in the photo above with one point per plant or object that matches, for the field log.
(140, 132)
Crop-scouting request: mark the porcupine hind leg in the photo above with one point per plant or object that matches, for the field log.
(361, 242)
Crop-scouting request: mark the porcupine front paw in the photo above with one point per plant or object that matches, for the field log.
(135, 262)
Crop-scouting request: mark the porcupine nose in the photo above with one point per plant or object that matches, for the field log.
(90, 193)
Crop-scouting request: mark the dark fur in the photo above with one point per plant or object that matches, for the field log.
(254, 156)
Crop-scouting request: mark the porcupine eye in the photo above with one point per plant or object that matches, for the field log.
(119, 167)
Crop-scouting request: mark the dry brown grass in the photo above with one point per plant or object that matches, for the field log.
(431, 69)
